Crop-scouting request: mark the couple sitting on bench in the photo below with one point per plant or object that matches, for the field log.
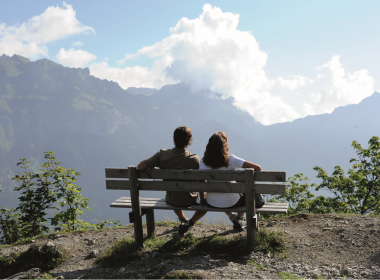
(217, 157)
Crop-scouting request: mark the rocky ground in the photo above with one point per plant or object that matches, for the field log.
(319, 246)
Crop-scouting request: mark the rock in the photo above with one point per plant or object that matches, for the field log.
(50, 244)
(94, 253)
(91, 242)
(31, 273)
(370, 225)
(33, 241)
(346, 271)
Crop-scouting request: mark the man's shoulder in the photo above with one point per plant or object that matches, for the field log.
(192, 156)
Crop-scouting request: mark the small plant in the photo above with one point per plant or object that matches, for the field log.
(71, 199)
(109, 221)
(287, 275)
(10, 225)
(258, 266)
(36, 196)
(271, 241)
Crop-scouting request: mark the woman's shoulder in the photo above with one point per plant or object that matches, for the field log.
(203, 166)
(235, 162)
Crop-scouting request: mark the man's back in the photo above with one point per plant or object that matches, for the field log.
(176, 159)
(173, 159)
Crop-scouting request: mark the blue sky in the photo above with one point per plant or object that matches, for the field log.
(281, 60)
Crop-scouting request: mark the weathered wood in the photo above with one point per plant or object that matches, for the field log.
(154, 199)
(132, 214)
(269, 210)
(258, 219)
(150, 223)
(220, 175)
(231, 181)
(250, 206)
(136, 208)
(112, 172)
(273, 189)
(270, 176)
(225, 187)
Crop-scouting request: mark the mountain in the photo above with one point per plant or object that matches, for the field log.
(322, 140)
(91, 124)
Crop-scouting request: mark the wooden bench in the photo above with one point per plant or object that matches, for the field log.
(243, 181)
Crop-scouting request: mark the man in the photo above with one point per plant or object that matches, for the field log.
(178, 158)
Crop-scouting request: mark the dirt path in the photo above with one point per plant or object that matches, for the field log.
(318, 245)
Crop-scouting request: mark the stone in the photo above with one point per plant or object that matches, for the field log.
(91, 242)
(50, 244)
(94, 253)
(31, 273)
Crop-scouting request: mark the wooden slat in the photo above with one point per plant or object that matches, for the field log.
(224, 187)
(198, 207)
(164, 206)
(156, 199)
(220, 175)
(270, 176)
(113, 172)
(274, 189)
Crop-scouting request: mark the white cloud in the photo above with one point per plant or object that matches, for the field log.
(30, 38)
(210, 52)
(295, 82)
(338, 88)
(136, 76)
(77, 44)
(74, 58)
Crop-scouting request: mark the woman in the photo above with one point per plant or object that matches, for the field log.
(218, 157)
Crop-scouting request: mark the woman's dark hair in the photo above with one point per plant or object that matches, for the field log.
(182, 137)
(216, 154)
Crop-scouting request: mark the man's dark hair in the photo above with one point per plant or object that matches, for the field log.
(182, 137)
(217, 154)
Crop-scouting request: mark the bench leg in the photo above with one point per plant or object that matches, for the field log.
(258, 219)
(150, 223)
(255, 223)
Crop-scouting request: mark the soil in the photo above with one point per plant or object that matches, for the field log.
(318, 246)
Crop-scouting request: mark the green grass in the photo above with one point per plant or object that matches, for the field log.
(271, 241)
(287, 275)
(258, 266)
(43, 257)
(124, 250)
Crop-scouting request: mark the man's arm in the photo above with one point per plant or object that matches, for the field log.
(248, 164)
(142, 166)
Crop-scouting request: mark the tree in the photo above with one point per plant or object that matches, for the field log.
(359, 192)
(297, 194)
(36, 196)
(71, 199)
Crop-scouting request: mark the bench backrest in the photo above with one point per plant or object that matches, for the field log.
(239, 176)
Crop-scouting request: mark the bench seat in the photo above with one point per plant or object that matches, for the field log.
(160, 203)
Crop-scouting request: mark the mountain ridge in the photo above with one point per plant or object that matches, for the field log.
(92, 124)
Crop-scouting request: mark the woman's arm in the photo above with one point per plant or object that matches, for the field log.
(248, 164)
